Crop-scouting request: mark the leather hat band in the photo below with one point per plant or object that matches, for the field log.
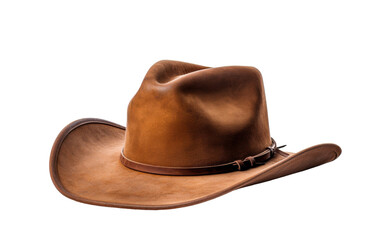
(237, 165)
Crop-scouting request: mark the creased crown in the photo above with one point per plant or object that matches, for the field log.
(187, 115)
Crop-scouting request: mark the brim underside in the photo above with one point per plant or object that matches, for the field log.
(85, 166)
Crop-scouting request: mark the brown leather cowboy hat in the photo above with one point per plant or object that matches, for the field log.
(193, 133)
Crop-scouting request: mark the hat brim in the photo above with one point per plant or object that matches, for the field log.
(85, 166)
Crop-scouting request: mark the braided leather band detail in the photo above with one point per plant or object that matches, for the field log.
(237, 165)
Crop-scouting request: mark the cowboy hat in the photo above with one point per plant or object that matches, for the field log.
(193, 133)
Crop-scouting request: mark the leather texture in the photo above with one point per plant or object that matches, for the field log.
(186, 115)
(183, 116)
(237, 165)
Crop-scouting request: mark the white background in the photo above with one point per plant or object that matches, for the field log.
(321, 64)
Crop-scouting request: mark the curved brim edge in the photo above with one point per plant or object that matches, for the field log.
(286, 165)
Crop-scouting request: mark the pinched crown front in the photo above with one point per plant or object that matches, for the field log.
(187, 115)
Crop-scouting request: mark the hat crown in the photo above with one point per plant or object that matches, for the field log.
(187, 115)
